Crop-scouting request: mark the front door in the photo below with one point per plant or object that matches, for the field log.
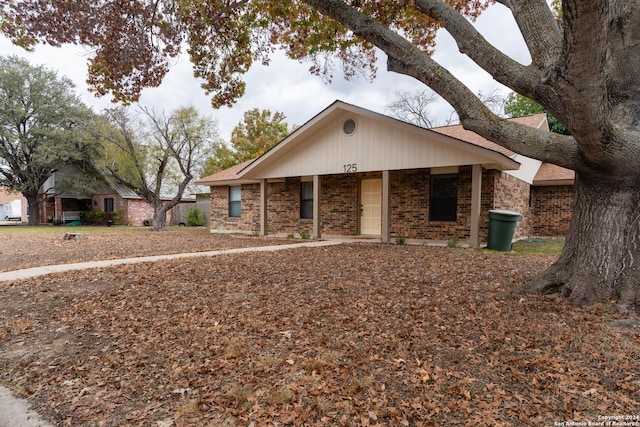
(371, 207)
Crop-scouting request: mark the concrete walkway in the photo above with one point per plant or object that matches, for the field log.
(48, 269)
(15, 412)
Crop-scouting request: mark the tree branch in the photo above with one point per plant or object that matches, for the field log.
(472, 44)
(405, 58)
(540, 30)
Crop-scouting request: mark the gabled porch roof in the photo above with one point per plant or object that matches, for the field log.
(377, 142)
(344, 134)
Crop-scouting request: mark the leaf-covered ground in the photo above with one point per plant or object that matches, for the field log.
(24, 247)
(349, 335)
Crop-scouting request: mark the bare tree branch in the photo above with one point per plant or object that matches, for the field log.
(413, 107)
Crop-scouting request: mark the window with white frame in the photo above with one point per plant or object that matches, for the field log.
(306, 199)
(235, 201)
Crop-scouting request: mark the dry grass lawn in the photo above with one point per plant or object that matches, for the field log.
(349, 335)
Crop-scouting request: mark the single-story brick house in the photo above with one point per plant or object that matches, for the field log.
(352, 172)
(107, 197)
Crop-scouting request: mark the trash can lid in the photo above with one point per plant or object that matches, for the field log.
(501, 214)
(504, 212)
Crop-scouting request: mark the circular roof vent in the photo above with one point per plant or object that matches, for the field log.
(349, 127)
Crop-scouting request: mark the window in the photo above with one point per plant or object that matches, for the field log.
(443, 203)
(306, 199)
(234, 201)
(108, 204)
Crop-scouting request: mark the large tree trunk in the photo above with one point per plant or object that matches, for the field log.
(600, 261)
(33, 208)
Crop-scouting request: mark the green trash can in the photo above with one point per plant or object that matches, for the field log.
(502, 227)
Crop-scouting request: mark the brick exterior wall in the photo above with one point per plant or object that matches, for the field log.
(409, 206)
(513, 194)
(137, 211)
(249, 220)
(283, 208)
(551, 206)
(409, 203)
(118, 202)
(340, 204)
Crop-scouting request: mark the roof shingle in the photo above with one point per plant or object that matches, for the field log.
(549, 172)
(458, 132)
(226, 174)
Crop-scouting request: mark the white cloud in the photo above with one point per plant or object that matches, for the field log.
(287, 86)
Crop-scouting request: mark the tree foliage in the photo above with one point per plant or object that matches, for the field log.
(224, 38)
(154, 155)
(257, 132)
(42, 125)
(556, 5)
(517, 105)
(222, 157)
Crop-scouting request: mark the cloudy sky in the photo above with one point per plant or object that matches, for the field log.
(287, 86)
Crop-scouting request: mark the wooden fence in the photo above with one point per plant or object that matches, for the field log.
(179, 212)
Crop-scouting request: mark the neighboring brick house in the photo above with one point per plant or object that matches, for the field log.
(108, 197)
(551, 197)
(352, 172)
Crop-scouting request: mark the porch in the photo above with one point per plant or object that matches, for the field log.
(373, 206)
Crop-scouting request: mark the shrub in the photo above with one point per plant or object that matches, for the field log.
(305, 235)
(98, 217)
(400, 241)
(195, 217)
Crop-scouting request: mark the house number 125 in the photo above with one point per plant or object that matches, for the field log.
(350, 168)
